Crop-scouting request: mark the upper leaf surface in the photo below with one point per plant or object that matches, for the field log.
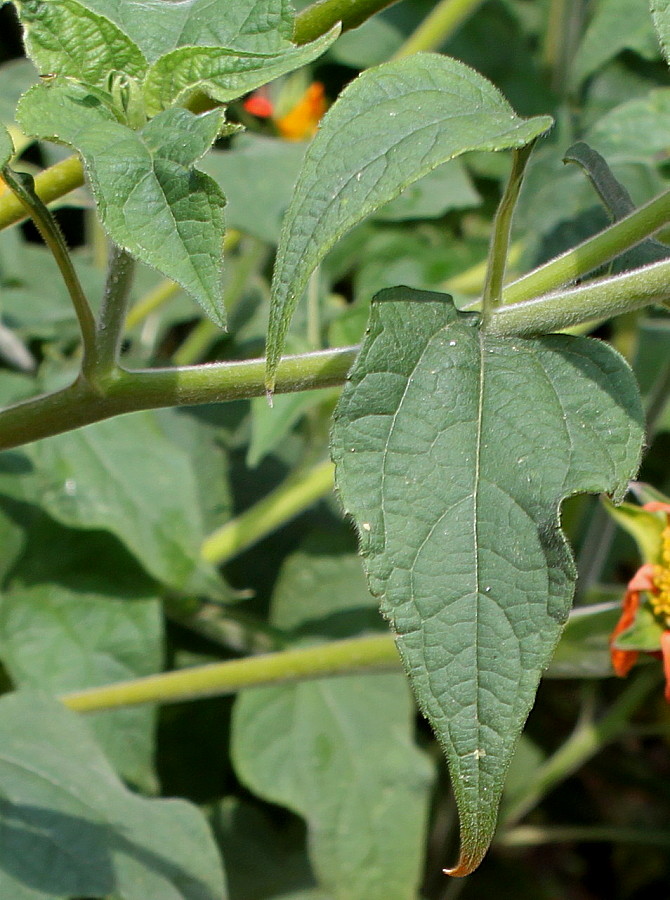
(63, 37)
(157, 27)
(151, 201)
(71, 828)
(388, 128)
(222, 73)
(454, 450)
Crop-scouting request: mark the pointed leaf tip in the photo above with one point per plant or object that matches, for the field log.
(389, 127)
(466, 444)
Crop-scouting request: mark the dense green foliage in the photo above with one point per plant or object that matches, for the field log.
(170, 535)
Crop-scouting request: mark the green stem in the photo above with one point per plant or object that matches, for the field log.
(151, 301)
(502, 227)
(587, 303)
(348, 657)
(51, 184)
(218, 382)
(320, 17)
(438, 26)
(253, 256)
(585, 741)
(79, 404)
(23, 186)
(534, 836)
(592, 253)
(112, 316)
(288, 500)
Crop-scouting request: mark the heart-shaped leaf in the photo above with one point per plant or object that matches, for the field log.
(222, 73)
(150, 198)
(63, 37)
(454, 449)
(392, 125)
(157, 27)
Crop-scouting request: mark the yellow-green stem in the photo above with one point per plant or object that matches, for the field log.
(284, 503)
(23, 187)
(348, 657)
(502, 226)
(51, 184)
(438, 26)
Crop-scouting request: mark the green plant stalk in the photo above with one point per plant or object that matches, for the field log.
(251, 259)
(51, 184)
(500, 238)
(348, 657)
(585, 741)
(589, 302)
(320, 17)
(104, 362)
(592, 253)
(534, 836)
(151, 301)
(23, 187)
(78, 404)
(291, 498)
(438, 26)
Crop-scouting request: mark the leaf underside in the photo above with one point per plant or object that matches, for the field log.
(454, 450)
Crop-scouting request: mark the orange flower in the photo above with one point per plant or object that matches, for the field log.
(303, 120)
(649, 585)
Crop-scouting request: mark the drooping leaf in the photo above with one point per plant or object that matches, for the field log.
(222, 73)
(389, 127)
(338, 751)
(150, 198)
(70, 827)
(63, 37)
(617, 200)
(454, 449)
(157, 27)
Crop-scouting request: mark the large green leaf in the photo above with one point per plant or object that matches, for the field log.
(605, 38)
(125, 476)
(338, 751)
(388, 128)
(222, 73)
(70, 828)
(157, 27)
(58, 639)
(454, 449)
(150, 198)
(63, 37)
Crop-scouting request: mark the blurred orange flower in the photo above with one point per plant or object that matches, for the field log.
(649, 586)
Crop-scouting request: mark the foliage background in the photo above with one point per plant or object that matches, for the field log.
(103, 577)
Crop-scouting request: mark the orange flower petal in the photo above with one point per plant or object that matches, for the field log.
(643, 580)
(624, 660)
(665, 650)
(259, 106)
(657, 506)
(302, 121)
